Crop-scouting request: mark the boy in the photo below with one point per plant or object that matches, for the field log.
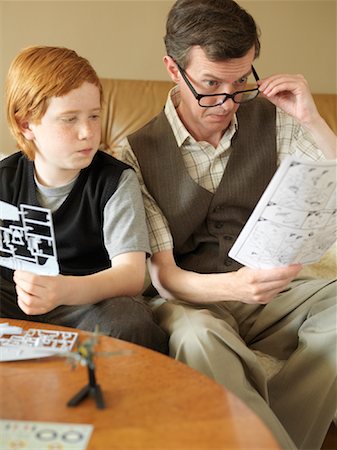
(53, 102)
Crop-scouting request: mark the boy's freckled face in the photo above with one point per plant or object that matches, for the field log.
(69, 133)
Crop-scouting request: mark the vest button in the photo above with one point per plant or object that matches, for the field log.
(228, 262)
(227, 237)
(219, 224)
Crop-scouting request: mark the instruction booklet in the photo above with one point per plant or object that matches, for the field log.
(295, 220)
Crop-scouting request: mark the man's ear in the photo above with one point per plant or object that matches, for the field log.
(172, 69)
(26, 130)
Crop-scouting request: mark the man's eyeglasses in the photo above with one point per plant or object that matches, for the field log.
(210, 100)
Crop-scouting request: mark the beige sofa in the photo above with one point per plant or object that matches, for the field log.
(129, 104)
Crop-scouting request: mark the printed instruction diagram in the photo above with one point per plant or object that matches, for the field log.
(295, 221)
(27, 240)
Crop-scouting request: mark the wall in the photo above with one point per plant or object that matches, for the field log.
(123, 39)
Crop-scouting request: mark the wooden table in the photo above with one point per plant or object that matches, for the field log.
(152, 401)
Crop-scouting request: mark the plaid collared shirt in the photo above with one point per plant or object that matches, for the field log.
(206, 164)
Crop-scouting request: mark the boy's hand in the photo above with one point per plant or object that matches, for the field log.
(38, 294)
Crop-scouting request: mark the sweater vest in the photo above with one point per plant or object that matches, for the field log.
(78, 222)
(204, 225)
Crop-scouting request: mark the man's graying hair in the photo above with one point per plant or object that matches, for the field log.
(221, 28)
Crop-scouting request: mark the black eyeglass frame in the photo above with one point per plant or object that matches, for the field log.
(226, 96)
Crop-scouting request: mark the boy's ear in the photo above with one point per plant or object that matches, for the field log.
(26, 130)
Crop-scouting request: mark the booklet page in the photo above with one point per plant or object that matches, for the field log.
(295, 220)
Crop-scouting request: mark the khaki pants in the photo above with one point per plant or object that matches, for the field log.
(298, 326)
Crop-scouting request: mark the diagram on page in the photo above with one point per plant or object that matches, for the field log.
(27, 240)
(295, 219)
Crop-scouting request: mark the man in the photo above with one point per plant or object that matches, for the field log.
(53, 102)
(203, 164)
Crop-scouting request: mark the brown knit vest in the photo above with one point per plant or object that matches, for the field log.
(204, 226)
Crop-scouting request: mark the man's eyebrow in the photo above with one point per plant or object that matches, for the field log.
(246, 74)
(213, 77)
